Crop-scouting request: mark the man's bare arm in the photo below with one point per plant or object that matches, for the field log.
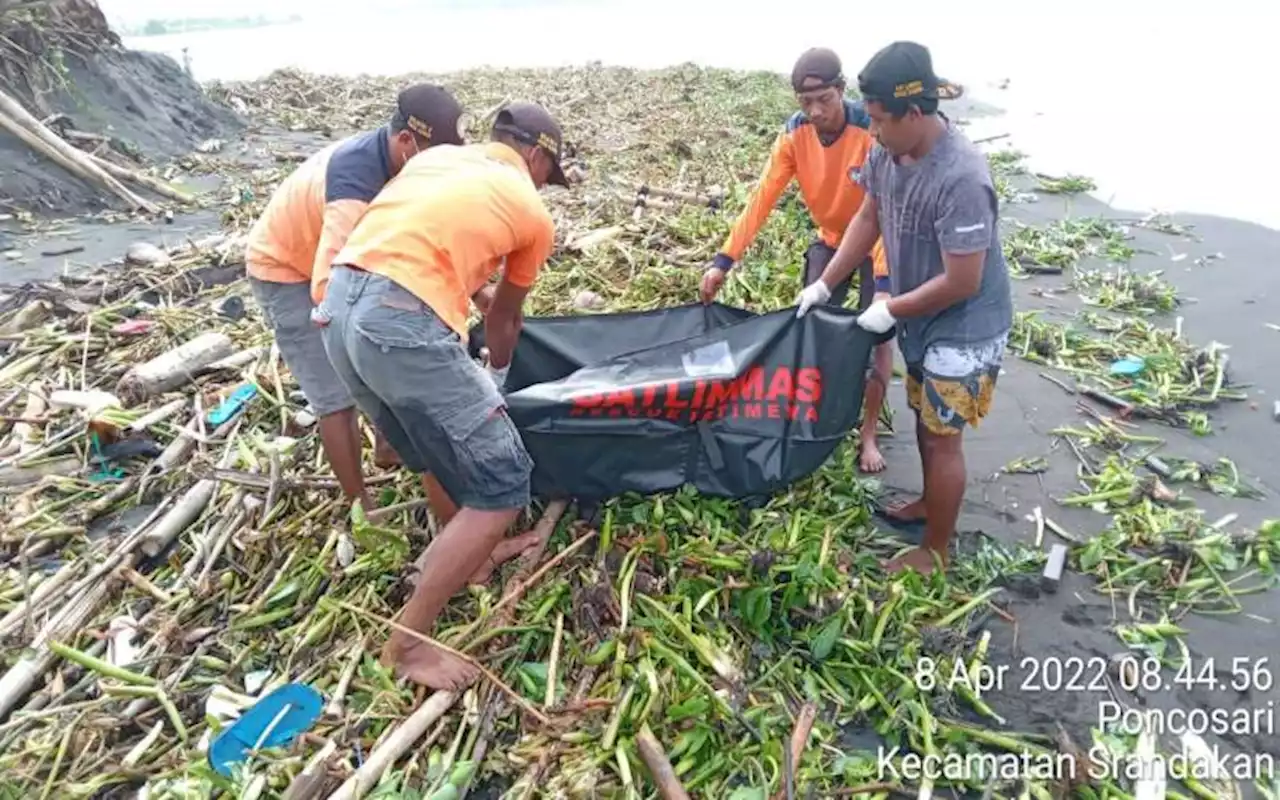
(855, 245)
(960, 279)
(503, 322)
(483, 299)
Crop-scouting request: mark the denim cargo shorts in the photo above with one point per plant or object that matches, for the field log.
(287, 308)
(411, 374)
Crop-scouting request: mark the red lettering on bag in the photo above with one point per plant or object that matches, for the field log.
(809, 385)
(781, 393)
(622, 397)
(781, 386)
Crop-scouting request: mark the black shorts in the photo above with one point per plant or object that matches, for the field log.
(816, 259)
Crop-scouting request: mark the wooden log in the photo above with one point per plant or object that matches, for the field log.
(799, 741)
(314, 775)
(146, 181)
(178, 451)
(237, 360)
(655, 758)
(14, 476)
(21, 678)
(15, 119)
(185, 511)
(172, 408)
(174, 368)
(396, 744)
(22, 438)
(29, 316)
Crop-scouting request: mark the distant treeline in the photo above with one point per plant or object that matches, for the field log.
(160, 27)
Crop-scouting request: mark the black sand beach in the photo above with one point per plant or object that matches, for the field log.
(1227, 300)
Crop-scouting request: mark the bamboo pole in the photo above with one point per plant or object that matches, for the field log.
(18, 121)
(21, 678)
(185, 511)
(396, 744)
(171, 369)
(660, 769)
(158, 186)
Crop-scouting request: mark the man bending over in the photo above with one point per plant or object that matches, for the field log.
(399, 298)
(304, 225)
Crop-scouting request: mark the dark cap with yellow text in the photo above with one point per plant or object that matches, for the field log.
(532, 124)
(903, 71)
(431, 112)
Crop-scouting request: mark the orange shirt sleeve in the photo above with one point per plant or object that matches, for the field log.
(778, 172)
(524, 264)
(880, 259)
(340, 218)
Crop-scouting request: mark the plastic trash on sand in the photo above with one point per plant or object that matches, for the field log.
(1128, 366)
(229, 407)
(274, 721)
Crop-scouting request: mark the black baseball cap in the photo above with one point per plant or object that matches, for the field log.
(532, 124)
(820, 63)
(904, 71)
(431, 112)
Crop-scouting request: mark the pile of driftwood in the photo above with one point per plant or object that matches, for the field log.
(88, 166)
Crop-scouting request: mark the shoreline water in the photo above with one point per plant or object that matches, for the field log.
(1079, 92)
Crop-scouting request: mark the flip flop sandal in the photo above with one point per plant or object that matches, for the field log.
(881, 510)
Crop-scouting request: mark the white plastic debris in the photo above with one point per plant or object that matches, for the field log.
(254, 681)
(587, 300)
(225, 705)
(346, 550)
(145, 254)
(121, 651)
(91, 401)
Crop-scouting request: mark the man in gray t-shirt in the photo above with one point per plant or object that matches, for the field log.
(931, 198)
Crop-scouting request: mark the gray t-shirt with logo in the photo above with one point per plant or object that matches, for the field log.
(944, 202)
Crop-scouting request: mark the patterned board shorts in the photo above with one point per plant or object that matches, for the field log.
(953, 386)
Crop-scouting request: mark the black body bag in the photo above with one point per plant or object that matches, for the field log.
(735, 403)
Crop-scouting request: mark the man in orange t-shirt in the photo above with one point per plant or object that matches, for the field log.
(398, 300)
(823, 147)
(304, 225)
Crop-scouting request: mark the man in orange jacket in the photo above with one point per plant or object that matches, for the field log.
(304, 225)
(399, 299)
(823, 146)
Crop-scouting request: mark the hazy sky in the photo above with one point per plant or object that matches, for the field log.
(137, 11)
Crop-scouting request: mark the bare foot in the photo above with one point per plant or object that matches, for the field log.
(506, 550)
(871, 460)
(920, 559)
(906, 512)
(384, 455)
(427, 665)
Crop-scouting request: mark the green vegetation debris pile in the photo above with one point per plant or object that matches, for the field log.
(162, 570)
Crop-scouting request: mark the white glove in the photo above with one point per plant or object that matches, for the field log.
(499, 375)
(877, 318)
(320, 316)
(814, 294)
